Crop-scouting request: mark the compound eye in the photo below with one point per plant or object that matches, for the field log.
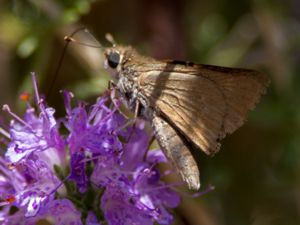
(113, 59)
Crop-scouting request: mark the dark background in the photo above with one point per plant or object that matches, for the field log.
(257, 171)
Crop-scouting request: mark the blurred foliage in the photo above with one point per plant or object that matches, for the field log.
(257, 172)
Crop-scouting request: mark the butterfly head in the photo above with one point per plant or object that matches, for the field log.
(115, 56)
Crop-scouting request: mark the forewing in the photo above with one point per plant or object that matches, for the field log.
(203, 102)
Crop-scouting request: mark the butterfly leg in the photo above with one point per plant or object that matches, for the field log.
(176, 150)
(112, 87)
(151, 140)
(136, 112)
(111, 84)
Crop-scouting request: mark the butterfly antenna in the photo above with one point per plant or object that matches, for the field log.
(110, 39)
(68, 40)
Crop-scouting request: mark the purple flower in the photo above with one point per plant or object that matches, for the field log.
(28, 185)
(59, 177)
(62, 211)
(92, 219)
(142, 198)
(91, 135)
(153, 195)
(37, 135)
(120, 208)
(57, 212)
(93, 131)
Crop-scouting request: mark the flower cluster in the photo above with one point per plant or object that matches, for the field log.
(90, 167)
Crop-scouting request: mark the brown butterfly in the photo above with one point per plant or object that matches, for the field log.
(190, 106)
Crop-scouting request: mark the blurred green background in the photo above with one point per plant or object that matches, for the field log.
(257, 171)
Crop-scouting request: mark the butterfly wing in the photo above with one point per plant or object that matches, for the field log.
(177, 152)
(204, 102)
